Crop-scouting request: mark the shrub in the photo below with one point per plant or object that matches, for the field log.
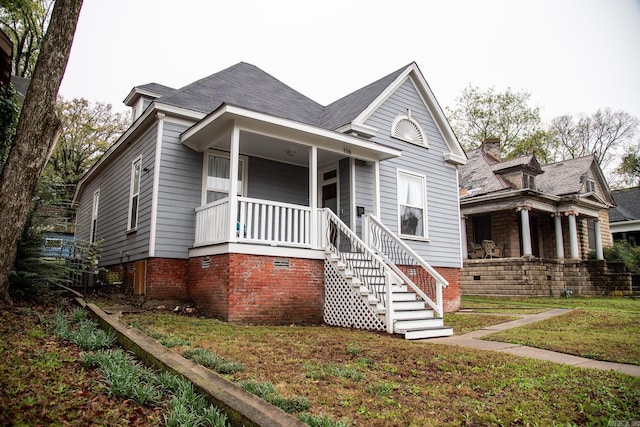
(623, 252)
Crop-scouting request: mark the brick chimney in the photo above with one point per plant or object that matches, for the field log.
(491, 146)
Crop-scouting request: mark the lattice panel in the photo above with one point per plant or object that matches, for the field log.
(343, 305)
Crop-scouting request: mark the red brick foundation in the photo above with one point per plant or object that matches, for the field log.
(242, 288)
(166, 279)
(452, 293)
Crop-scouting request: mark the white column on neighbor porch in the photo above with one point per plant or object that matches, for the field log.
(463, 236)
(313, 195)
(599, 252)
(557, 219)
(234, 159)
(573, 233)
(526, 230)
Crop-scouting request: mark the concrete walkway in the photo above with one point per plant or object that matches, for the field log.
(471, 340)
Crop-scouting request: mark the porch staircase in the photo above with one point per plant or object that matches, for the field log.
(361, 270)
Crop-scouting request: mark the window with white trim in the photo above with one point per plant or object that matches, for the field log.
(134, 193)
(406, 128)
(217, 180)
(94, 216)
(412, 205)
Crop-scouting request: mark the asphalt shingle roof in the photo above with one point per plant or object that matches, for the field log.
(346, 109)
(157, 88)
(628, 205)
(247, 86)
(564, 177)
(479, 175)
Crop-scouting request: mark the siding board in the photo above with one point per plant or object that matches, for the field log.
(443, 247)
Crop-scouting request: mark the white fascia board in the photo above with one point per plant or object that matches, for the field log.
(362, 130)
(430, 101)
(241, 114)
(624, 226)
(455, 159)
(139, 124)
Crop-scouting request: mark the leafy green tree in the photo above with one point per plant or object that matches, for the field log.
(25, 22)
(88, 129)
(629, 168)
(9, 112)
(36, 135)
(481, 115)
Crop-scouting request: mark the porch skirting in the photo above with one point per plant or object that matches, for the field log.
(542, 277)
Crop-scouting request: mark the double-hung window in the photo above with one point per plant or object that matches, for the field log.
(94, 216)
(134, 194)
(412, 205)
(218, 170)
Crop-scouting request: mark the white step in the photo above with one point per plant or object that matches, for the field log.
(417, 334)
(402, 326)
(407, 305)
(412, 314)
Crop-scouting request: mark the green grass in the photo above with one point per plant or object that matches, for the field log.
(605, 329)
(375, 379)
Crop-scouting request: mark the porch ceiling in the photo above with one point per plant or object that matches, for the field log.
(279, 139)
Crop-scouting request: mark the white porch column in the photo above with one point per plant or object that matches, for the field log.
(573, 233)
(463, 236)
(526, 230)
(599, 253)
(557, 219)
(376, 189)
(234, 159)
(313, 195)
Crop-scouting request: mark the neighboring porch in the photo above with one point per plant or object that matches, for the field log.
(532, 231)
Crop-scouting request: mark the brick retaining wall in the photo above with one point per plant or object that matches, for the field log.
(541, 277)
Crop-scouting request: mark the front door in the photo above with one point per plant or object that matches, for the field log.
(329, 193)
(329, 198)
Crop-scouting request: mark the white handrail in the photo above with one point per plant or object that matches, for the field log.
(368, 222)
(374, 260)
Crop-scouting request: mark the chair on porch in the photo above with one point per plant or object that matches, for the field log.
(491, 250)
(475, 251)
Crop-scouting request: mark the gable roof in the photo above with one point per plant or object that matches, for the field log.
(153, 90)
(481, 175)
(628, 205)
(245, 85)
(565, 177)
(346, 109)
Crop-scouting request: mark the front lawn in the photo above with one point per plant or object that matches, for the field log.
(374, 379)
(600, 328)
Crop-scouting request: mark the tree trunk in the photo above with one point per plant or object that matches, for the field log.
(36, 136)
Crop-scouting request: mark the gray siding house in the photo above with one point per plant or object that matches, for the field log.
(260, 205)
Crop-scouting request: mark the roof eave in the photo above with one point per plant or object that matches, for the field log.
(197, 137)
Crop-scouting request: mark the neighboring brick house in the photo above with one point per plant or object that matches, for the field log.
(261, 205)
(541, 219)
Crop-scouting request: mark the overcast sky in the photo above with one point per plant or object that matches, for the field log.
(572, 56)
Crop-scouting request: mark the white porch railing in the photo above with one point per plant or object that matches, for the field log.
(404, 261)
(258, 221)
(212, 223)
(266, 221)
